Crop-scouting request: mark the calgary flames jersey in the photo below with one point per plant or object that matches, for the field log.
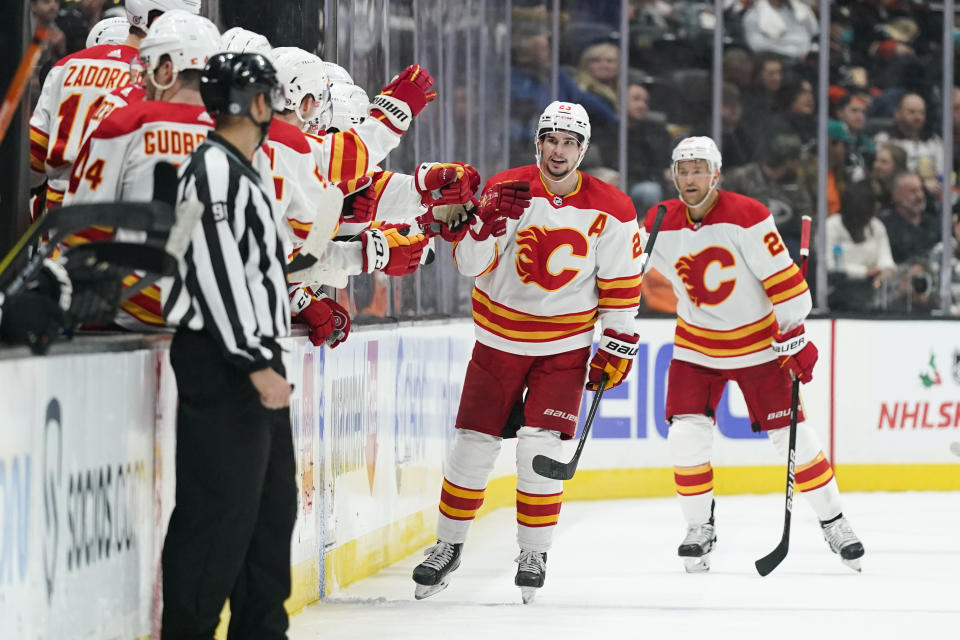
(108, 103)
(116, 162)
(567, 262)
(346, 155)
(69, 92)
(303, 198)
(734, 279)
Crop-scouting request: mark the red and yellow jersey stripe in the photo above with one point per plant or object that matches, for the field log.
(511, 324)
(693, 481)
(39, 141)
(785, 285)
(349, 158)
(749, 338)
(538, 510)
(145, 305)
(619, 293)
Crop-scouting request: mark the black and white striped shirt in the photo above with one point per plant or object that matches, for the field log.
(231, 281)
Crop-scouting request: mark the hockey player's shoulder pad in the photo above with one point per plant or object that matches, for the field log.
(288, 135)
(530, 173)
(119, 52)
(597, 194)
(134, 116)
(733, 208)
(675, 218)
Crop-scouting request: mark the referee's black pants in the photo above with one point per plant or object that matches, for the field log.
(236, 502)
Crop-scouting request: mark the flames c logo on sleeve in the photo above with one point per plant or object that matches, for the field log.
(693, 269)
(537, 245)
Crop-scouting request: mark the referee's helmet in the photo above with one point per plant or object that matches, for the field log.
(231, 81)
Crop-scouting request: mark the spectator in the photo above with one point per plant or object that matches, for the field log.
(851, 109)
(858, 251)
(889, 162)
(648, 147)
(737, 140)
(774, 181)
(909, 132)
(599, 72)
(43, 13)
(936, 256)
(797, 111)
(956, 133)
(786, 27)
(760, 102)
(76, 19)
(738, 68)
(912, 226)
(530, 90)
(838, 176)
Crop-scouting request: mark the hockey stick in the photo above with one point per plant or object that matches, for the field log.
(20, 78)
(550, 468)
(143, 216)
(772, 560)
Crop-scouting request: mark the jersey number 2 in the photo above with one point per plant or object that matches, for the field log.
(774, 244)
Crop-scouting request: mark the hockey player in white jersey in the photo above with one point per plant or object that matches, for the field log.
(72, 87)
(545, 276)
(117, 160)
(740, 311)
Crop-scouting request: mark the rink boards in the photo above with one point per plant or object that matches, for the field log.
(87, 452)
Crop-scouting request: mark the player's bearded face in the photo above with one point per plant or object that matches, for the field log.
(558, 153)
(694, 180)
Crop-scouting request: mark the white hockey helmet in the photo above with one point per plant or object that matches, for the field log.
(302, 74)
(337, 73)
(188, 39)
(138, 11)
(350, 104)
(109, 31)
(240, 40)
(698, 148)
(565, 116)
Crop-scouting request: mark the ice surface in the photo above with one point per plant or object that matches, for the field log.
(613, 572)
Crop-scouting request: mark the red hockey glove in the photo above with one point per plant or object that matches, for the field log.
(614, 357)
(311, 312)
(446, 182)
(449, 221)
(361, 204)
(388, 250)
(401, 100)
(341, 321)
(500, 201)
(796, 352)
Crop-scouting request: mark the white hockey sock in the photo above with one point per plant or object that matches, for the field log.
(464, 482)
(813, 475)
(538, 498)
(691, 446)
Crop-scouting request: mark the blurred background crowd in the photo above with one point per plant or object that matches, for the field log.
(883, 97)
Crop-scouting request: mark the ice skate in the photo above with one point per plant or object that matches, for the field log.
(431, 574)
(696, 547)
(531, 572)
(844, 541)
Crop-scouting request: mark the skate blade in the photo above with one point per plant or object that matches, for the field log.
(853, 563)
(426, 590)
(528, 594)
(697, 565)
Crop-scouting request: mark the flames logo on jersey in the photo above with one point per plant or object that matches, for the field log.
(537, 245)
(692, 270)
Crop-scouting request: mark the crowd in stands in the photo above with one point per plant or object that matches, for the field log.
(884, 177)
(883, 252)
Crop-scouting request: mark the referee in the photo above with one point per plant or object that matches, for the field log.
(229, 535)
